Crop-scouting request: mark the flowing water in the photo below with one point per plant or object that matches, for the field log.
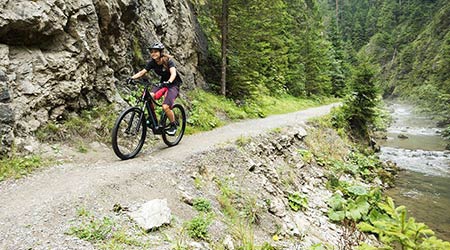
(414, 143)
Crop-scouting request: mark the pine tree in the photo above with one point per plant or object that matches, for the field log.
(359, 107)
(316, 54)
(258, 51)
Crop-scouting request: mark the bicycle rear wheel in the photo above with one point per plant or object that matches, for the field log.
(128, 134)
(180, 121)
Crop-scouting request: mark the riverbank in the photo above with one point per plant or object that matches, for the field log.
(415, 145)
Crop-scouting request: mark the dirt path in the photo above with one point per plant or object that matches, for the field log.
(204, 141)
(35, 212)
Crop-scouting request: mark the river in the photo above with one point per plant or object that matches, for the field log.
(424, 185)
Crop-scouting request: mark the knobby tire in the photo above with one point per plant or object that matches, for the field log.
(129, 132)
(180, 119)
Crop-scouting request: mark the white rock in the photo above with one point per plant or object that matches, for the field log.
(152, 214)
(29, 148)
(277, 208)
(302, 223)
(301, 132)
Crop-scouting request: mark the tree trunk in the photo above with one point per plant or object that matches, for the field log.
(223, 79)
(337, 13)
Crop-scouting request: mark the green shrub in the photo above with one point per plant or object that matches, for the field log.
(202, 205)
(197, 228)
(354, 203)
(297, 202)
(396, 228)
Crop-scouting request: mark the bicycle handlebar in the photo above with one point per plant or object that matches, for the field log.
(146, 82)
(141, 81)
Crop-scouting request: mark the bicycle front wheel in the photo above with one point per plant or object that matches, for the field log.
(180, 121)
(128, 134)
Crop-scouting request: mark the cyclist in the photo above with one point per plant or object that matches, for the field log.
(163, 65)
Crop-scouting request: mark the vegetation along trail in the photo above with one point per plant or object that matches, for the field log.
(36, 210)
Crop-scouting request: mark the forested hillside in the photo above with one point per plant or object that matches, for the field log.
(309, 48)
(408, 40)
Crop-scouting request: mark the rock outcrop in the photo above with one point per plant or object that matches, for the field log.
(57, 57)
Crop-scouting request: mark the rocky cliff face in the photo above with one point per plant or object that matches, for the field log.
(58, 57)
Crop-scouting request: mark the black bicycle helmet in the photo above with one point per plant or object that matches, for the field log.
(159, 46)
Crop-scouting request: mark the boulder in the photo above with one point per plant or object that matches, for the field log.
(402, 136)
(152, 214)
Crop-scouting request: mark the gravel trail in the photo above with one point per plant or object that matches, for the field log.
(36, 211)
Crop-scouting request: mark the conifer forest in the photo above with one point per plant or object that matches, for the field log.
(317, 47)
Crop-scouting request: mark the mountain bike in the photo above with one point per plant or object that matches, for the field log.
(130, 129)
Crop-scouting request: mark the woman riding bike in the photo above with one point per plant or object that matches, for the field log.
(163, 65)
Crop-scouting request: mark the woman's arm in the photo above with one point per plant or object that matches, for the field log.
(139, 74)
(173, 74)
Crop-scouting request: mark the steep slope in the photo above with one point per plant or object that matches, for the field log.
(407, 40)
(422, 69)
(412, 48)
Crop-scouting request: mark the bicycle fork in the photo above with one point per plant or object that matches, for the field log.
(130, 129)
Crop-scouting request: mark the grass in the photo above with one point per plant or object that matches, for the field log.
(208, 111)
(91, 228)
(237, 205)
(82, 148)
(205, 108)
(90, 125)
(106, 232)
(251, 210)
(95, 124)
(241, 141)
(17, 166)
(286, 103)
(198, 183)
(241, 212)
(94, 230)
(324, 143)
(287, 175)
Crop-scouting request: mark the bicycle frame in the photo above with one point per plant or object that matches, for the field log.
(149, 103)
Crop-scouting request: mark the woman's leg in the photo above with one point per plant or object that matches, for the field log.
(169, 100)
(168, 112)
